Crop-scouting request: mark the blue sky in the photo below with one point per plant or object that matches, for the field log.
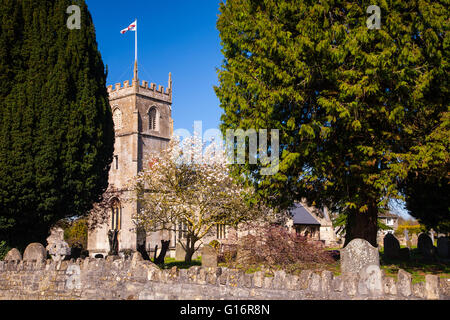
(173, 36)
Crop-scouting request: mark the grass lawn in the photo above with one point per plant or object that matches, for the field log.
(171, 262)
(416, 266)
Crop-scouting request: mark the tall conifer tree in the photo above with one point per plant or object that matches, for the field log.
(56, 128)
(356, 106)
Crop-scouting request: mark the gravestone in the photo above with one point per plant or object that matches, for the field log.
(414, 240)
(442, 247)
(425, 245)
(408, 241)
(357, 255)
(180, 253)
(13, 255)
(432, 236)
(57, 247)
(209, 257)
(391, 246)
(35, 251)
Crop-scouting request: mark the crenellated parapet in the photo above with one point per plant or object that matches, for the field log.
(149, 90)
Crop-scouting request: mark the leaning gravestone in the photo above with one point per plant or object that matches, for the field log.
(209, 256)
(13, 255)
(35, 251)
(57, 247)
(425, 245)
(442, 247)
(391, 246)
(357, 255)
(180, 253)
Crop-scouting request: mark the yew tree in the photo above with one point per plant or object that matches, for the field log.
(356, 105)
(56, 128)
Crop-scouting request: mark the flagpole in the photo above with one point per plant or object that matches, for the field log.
(135, 43)
(135, 53)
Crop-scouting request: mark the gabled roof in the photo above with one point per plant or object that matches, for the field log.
(302, 216)
(387, 215)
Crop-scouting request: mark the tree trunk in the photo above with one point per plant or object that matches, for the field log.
(190, 248)
(164, 247)
(362, 225)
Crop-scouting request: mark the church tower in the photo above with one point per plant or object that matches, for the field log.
(143, 124)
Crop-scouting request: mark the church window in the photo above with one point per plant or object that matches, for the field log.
(153, 119)
(181, 230)
(117, 117)
(116, 217)
(116, 160)
(221, 231)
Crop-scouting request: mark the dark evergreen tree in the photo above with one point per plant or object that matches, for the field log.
(56, 128)
(356, 108)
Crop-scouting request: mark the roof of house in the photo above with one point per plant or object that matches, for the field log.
(387, 215)
(302, 216)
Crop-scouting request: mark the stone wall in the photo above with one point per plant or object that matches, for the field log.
(115, 279)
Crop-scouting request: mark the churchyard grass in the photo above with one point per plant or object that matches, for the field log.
(416, 266)
(171, 262)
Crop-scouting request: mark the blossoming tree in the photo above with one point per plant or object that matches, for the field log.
(187, 188)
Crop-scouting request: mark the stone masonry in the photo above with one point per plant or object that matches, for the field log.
(142, 114)
(121, 279)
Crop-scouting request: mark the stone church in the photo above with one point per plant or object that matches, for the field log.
(143, 124)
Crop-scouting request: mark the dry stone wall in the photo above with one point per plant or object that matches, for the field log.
(115, 279)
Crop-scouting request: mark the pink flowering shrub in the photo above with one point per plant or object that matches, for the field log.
(275, 246)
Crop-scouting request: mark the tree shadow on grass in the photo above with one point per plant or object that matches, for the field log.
(417, 265)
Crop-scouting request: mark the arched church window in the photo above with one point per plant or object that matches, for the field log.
(221, 231)
(116, 215)
(153, 119)
(117, 118)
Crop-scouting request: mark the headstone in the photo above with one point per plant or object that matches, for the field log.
(57, 247)
(407, 240)
(391, 246)
(357, 255)
(425, 245)
(35, 251)
(209, 257)
(406, 234)
(442, 247)
(13, 255)
(432, 236)
(414, 240)
(180, 253)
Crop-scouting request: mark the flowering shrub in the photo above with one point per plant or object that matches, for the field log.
(276, 246)
(187, 189)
